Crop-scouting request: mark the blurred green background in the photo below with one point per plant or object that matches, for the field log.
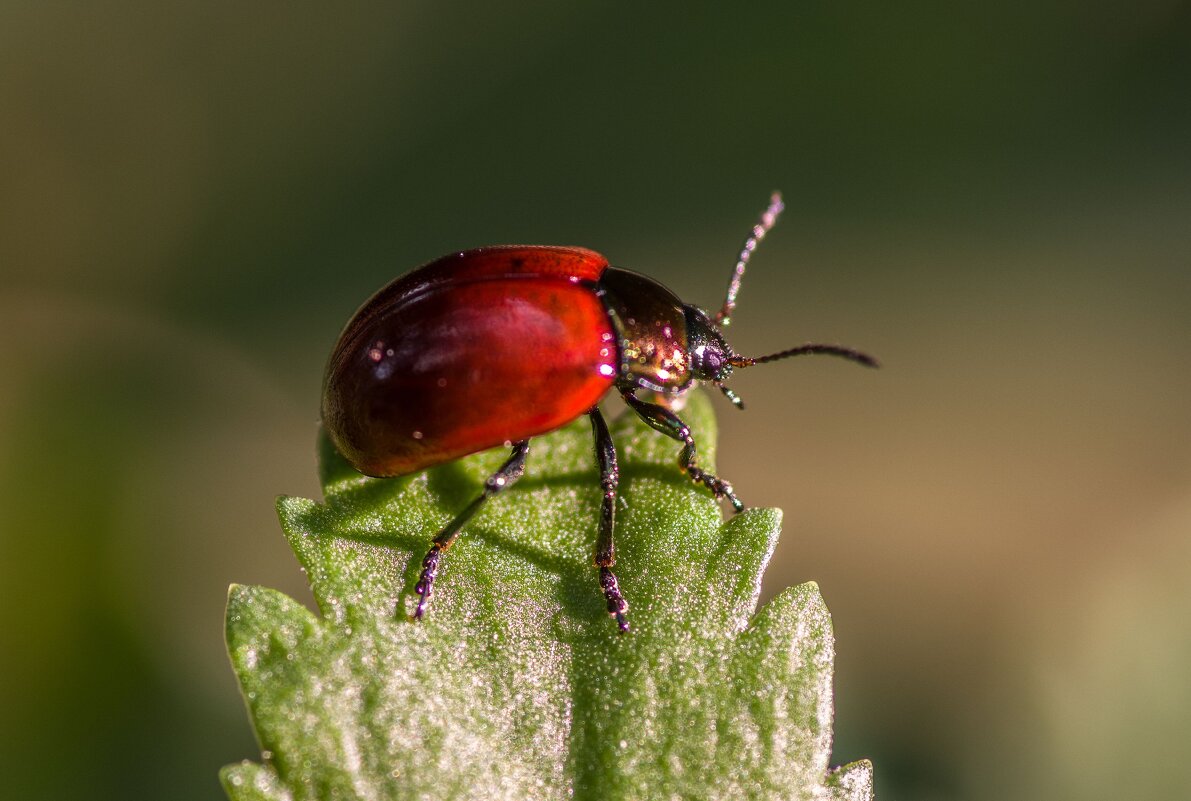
(995, 198)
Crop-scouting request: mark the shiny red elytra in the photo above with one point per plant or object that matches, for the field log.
(497, 345)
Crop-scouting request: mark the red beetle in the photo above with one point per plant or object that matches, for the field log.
(496, 345)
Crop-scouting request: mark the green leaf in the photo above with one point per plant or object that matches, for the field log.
(516, 684)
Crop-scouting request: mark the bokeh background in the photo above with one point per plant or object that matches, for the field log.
(995, 198)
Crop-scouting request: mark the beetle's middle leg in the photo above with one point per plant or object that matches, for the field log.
(662, 419)
(499, 481)
(605, 551)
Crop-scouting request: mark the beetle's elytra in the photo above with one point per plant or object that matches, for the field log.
(500, 344)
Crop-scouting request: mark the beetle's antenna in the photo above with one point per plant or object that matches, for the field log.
(768, 218)
(730, 395)
(803, 350)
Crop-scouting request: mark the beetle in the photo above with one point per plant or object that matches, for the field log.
(497, 345)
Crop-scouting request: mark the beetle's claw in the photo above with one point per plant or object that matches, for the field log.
(425, 586)
(724, 490)
(423, 600)
(719, 488)
(617, 605)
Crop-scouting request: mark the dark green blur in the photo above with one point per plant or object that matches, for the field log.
(995, 199)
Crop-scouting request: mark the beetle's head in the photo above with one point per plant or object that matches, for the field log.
(712, 359)
(710, 353)
(711, 356)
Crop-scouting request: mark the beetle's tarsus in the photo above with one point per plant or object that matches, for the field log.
(617, 605)
(721, 489)
(425, 586)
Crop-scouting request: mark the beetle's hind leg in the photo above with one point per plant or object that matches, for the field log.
(605, 551)
(662, 419)
(499, 481)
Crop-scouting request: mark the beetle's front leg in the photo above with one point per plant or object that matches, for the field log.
(662, 419)
(499, 481)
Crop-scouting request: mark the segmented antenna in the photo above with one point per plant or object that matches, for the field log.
(767, 221)
(803, 350)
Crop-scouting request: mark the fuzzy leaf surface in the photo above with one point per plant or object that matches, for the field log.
(516, 685)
